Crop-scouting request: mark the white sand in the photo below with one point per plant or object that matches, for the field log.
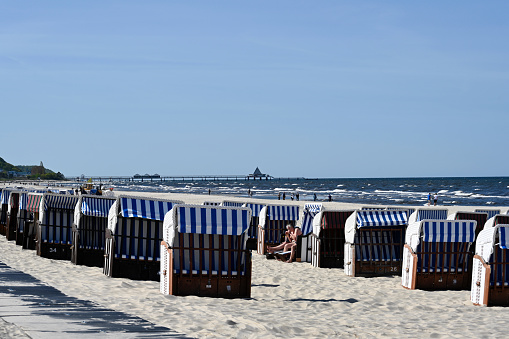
(288, 300)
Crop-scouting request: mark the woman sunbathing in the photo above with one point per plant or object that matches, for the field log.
(289, 244)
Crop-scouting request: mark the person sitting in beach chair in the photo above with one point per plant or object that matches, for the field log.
(288, 246)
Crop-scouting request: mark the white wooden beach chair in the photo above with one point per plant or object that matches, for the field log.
(255, 217)
(304, 246)
(54, 227)
(272, 224)
(328, 238)
(437, 254)
(204, 252)
(135, 228)
(89, 230)
(490, 271)
(374, 242)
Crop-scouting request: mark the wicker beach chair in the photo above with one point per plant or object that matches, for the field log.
(480, 217)
(4, 207)
(54, 227)
(255, 217)
(490, 272)
(437, 254)
(491, 212)
(428, 213)
(89, 230)
(12, 215)
(204, 252)
(272, 224)
(304, 245)
(23, 216)
(227, 203)
(29, 223)
(374, 242)
(133, 237)
(328, 238)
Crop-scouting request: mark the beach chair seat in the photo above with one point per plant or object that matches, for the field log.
(272, 224)
(89, 230)
(437, 254)
(54, 227)
(328, 238)
(204, 252)
(490, 271)
(133, 237)
(374, 242)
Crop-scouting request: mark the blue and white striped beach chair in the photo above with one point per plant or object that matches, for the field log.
(490, 271)
(89, 229)
(374, 242)
(54, 228)
(30, 224)
(23, 216)
(227, 203)
(304, 245)
(328, 238)
(204, 252)
(133, 237)
(491, 212)
(272, 224)
(480, 217)
(4, 206)
(255, 217)
(437, 254)
(428, 213)
(12, 215)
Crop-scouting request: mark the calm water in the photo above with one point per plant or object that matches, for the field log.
(393, 191)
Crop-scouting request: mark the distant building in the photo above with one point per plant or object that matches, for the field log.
(38, 170)
(257, 174)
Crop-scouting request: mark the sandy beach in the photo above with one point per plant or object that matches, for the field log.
(288, 300)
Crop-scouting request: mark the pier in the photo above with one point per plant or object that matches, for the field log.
(152, 178)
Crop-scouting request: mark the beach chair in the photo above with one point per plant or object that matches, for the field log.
(428, 213)
(408, 210)
(22, 217)
(89, 230)
(491, 212)
(255, 217)
(133, 237)
(490, 272)
(12, 215)
(480, 217)
(232, 203)
(496, 220)
(29, 224)
(204, 252)
(328, 238)
(374, 242)
(54, 227)
(304, 244)
(4, 207)
(437, 254)
(272, 224)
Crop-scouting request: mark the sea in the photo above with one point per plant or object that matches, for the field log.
(483, 191)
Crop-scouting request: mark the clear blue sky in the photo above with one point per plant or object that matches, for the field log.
(298, 88)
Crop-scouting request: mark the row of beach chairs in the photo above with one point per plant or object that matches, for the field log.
(205, 249)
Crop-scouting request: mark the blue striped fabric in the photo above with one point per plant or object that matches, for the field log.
(213, 220)
(96, 207)
(255, 209)
(65, 202)
(449, 231)
(56, 227)
(503, 237)
(6, 193)
(380, 218)
(232, 204)
(144, 208)
(138, 239)
(431, 214)
(279, 212)
(310, 210)
(23, 201)
(491, 213)
(377, 246)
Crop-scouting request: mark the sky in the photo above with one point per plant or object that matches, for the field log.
(321, 89)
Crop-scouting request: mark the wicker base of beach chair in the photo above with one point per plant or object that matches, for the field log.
(10, 228)
(84, 256)
(135, 269)
(53, 251)
(29, 236)
(3, 229)
(19, 238)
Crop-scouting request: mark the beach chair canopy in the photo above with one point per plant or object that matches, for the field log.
(491, 213)
(454, 215)
(309, 213)
(23, 200)
(54, 201)
(232, 203)
(440, 231)
(93, 206)
(372, 218)
(34, 202)
(278, 212)
(199, 219)
(487, 240)
(495, 220)
(428, 213)
(317, 220)
(255, 208)
(6, 193)
(139, 207)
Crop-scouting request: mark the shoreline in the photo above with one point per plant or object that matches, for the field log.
(321, 302)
